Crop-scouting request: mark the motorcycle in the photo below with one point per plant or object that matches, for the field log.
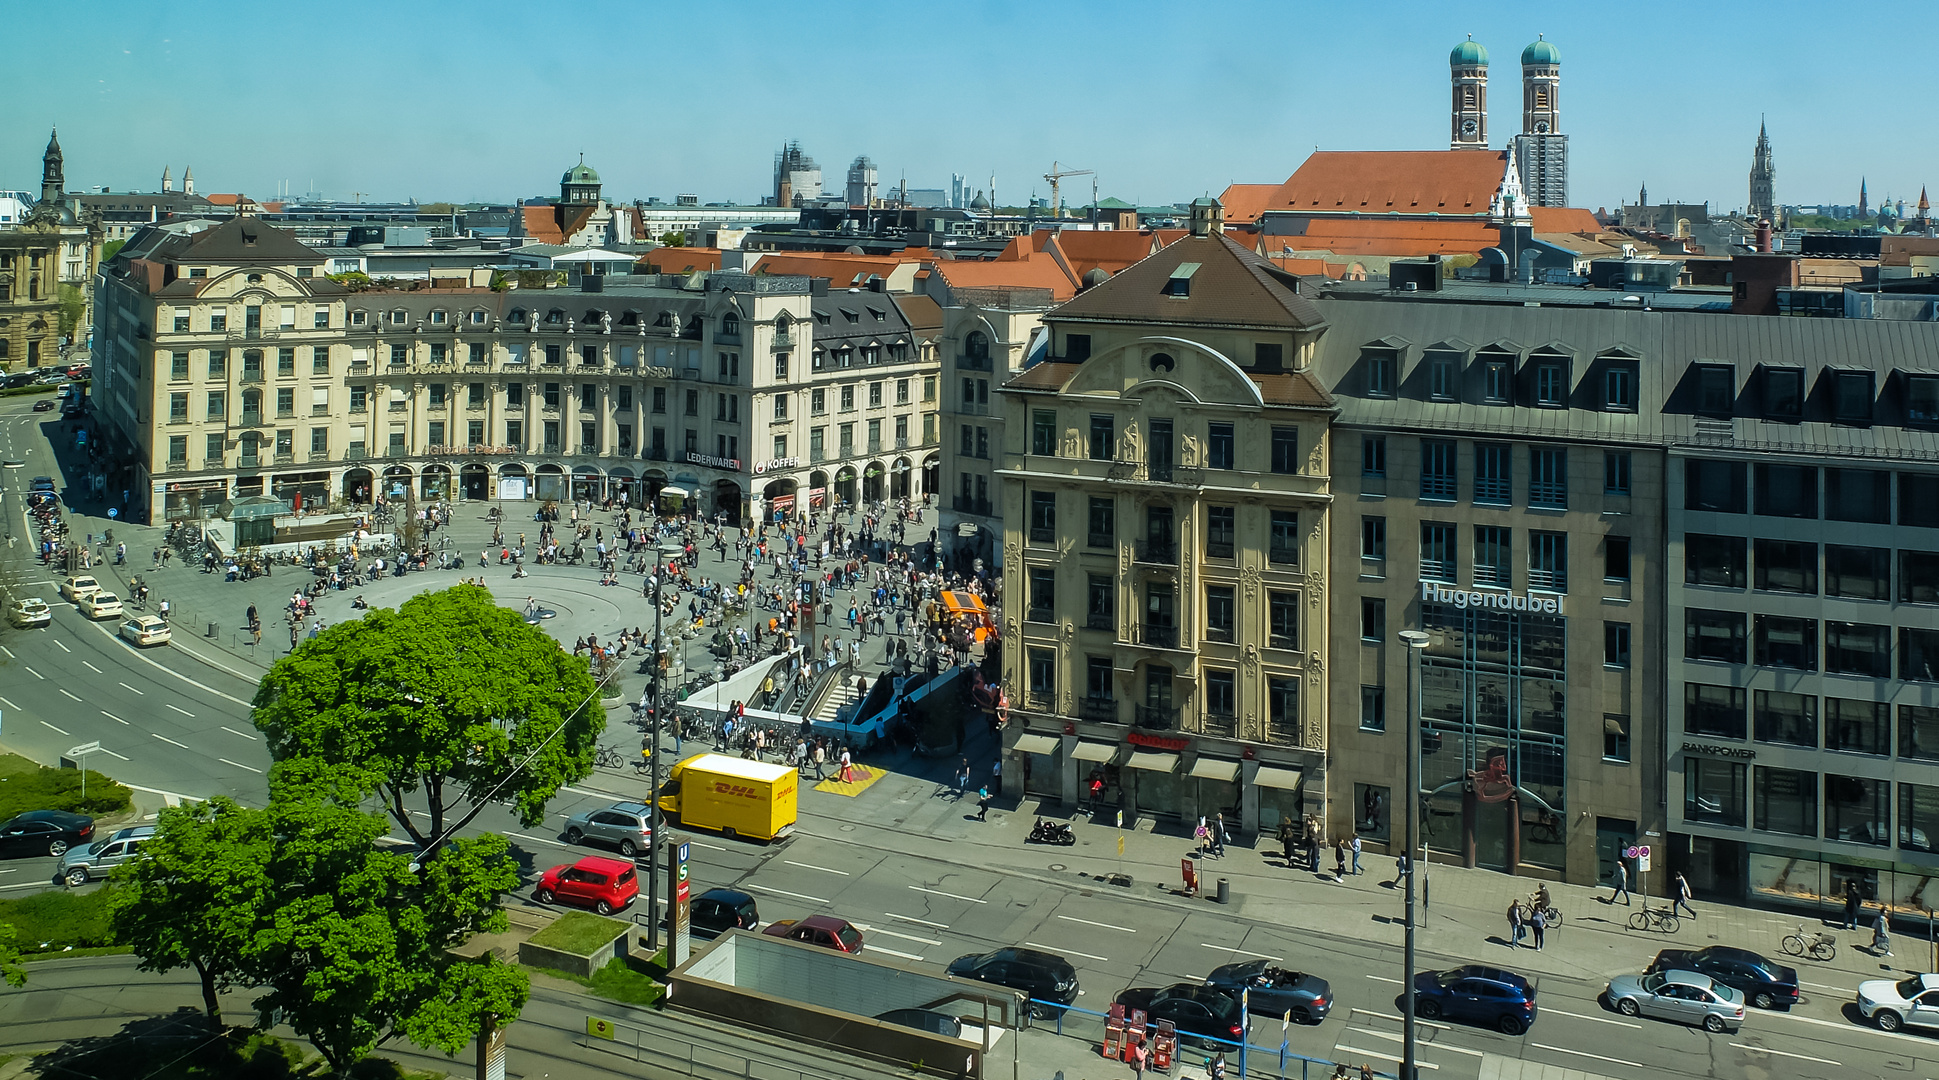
(1051, 832)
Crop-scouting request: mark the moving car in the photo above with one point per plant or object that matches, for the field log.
(29, 612)
(1044, 976)
(605, 885)
(935, 1023)
(44, 405)
(1686, 997)
(48, 831)
(1207, 1015)
(826, 931)
(78, 586)
(1478, 994)
(717, 911)
(1764, 983)
(99, 605)
(1892, 1005)
(84, 864)
(145, 630)
(1274, 991)
(626, 825)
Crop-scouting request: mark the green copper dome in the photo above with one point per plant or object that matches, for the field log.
(1468, 54)
(581, 173)
(1541, 52)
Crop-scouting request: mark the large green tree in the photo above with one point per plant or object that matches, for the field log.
(11, 968)
(449, 695)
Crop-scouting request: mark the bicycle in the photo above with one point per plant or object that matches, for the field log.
(608, 758)
(1819, 946)
(1660, 919)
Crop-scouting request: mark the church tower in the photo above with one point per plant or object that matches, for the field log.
(580, 185)
(168, 185)
(1763, 179)
(1864, 204)
(53, 184)
(1468, 120)
(1541, 147)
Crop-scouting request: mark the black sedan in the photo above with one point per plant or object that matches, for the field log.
(44, 405)
(1046, 977)
(1765, 983)
(1274, 991)
(717, 911)
(45, 832)
(1210, 1017)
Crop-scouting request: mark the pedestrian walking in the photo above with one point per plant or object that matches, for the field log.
(1882, 933)
(820, 757)
(1097, 789)
(1339, 860)
(1851, 903)
(1219, 836)
(1515, 927)
(1538, 920)
(1286, 838)
(1138, 1057)
(1620, 885)
(1353, 848)
(847, 765)
(1682, 894)
(983, 803)
(962, 778)
(1313, 849)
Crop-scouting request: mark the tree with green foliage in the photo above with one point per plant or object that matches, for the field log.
(449, 695)
(74, 308)
(673, 239)
(11, 968)
(109, 250)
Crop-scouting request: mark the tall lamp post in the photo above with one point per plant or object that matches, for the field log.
(1415, 641)
(653, 763)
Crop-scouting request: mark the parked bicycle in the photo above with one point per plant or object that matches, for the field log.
(1818, 945)
(607, 757)
(1659, 919)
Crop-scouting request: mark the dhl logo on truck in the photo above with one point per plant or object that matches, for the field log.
(738, 791)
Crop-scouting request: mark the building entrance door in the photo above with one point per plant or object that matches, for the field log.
(1612, 836)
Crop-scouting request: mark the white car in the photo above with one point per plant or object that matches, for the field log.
(1892, 1005)
(145, 630)
(29, 612)
(76, 587)
(100, 605)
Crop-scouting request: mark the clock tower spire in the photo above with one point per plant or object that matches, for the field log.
(1468, 71)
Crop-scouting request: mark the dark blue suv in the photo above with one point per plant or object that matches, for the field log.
(1490, 996)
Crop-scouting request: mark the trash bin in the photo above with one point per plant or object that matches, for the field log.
(1225, 891)
(214, 629)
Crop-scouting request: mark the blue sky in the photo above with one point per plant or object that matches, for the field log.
(491, 101)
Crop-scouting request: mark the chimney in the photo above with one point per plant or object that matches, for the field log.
(1764, 234)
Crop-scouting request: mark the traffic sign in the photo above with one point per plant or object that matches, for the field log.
(114, 511)
(598, 1028)
(684, 845)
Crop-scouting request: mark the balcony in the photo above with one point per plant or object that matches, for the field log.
(285, 457)
(656, 453)
(1098, 710)
(1439, 488)
(1156, 717)
(249, 461)
(399, 406)
(782, 340)
(963, 504)
(1100, 620)
(1158, 635)
(1283, 555)
(1158, 552)
(875, 446)
(1040, 535)
(397, 450)
(359, 367)
(356, 453)
(176, 465)
(1222, 725)
(252, 418)
(902, 442)
(1548, 496)
(967, 362)
(1218, 549)
(1107, 541)
(1219, 634)
(1040, 615)
(252, 375)
(550, 448)
(1437, 569)
(1485, 574)
(1552, 580)
(1492, 490)
(1138, 472)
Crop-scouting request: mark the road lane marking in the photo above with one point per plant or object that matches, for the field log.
(893, 952)
(9, 704)
(951, 895)
(32, 672)
(1597, 1019)
(1107, 926)
(1833, 989)
(143, 693)
(1381, 1054)
(1872, 1032)
(1239, 952)
(1073, 952)
(1397, 1019)
(1787, 1053)
(26, 885)
(113, 717)
(184, 712)
(112, 754)
(233, 731)
(823, 869)
(68, 692)
(240, 765)
(165, 739)
(913, 919)
(1385, 979)
(8, 651)
(172, 672)
(1392, 1037)
(92, 668)
(1585, 1053)
(62, 644)
(892, 933)
(784, 892)
(45, 724)
(534, 839)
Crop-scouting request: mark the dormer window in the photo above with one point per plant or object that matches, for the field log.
(1716, 390)
(1180, 282)
(730, 325)
(360, 318)
(555, 316)
(879, 314)
(517, 315)
(478, 317)
(399, 317)
(438, 318)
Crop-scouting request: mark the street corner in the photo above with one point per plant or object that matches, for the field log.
(859, 779)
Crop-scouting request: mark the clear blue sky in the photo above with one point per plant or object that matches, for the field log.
(491, 101)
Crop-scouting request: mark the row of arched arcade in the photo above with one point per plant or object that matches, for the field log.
(849, 485)
(679, 493)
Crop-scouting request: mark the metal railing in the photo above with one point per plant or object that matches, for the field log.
(1218, 549)
(1100, 620)
(1158, 552)
(1098, 710)
(1162, 718)
(1284, 556)
(1158, 635)
(1221, 725)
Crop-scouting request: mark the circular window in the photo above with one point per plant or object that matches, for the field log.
(255, 279)
(1162, 362)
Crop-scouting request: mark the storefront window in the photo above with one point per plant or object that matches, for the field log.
(1713, 791)
(1791, 719)
(1786, 801)
(1856, 810)
(1372, 820)
(1918, 733)
(1918, 817)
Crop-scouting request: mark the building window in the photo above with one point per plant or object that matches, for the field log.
(1373, 619)
(1282, 615)
(1860, 573)
(1615, 558)
(1495, 381)
(1437, 551)
(1919, 577)
(1919, 655)
(1373, 708)
(1919, 733)
(1551, 383)
(1784, 394)
(1862, 495)
(1615, 644)
(1282, 540)
(1221, 696)
(1100, 603)
(1218, 446)
(1858, 727)
(1785, 642)
(178, 366)
(1919, 500)
(1219, 613)
(1716, 711)
(1373, 539)
(1781, 717)
(1441, 376)
(1491, 556)
(1103, 444)
(1785, 801)
(1713, 791)
(1380, 373)
(178, 408)
(1858, 649)
(1373, 455)
(1786, 566)
(1619, 388)
(1851, 399)
(1220, 526)
(1918, 817)
(1615, 472)
(212, 451)
(1043, 432)
(178, 449)
(217, 406)
(1857, 810)
(1437, 469)
(1548, 478)
(1491, 473)
(1716, 390)
(1712, 485)
(1713, 635)
(1043, 594)
(1615, 737)
(1548, 561)
(1043, 517)
(1716, 561)
(1103, 526)
(1043, 677)
(1285, 450)
(1097, 680)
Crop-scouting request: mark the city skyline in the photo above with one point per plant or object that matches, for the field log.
(477, 112)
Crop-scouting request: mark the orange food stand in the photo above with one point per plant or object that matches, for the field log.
(971, 607)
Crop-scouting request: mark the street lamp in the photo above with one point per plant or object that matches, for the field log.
(653, 762)
(1415, 641)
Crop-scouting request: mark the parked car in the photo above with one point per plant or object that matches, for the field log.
(44, 831)
(1685, 997)
(605, 885)
(1893, 1005)
(44, 405)
(99, 605)
(42, 483)
(1274, 991)
(1044, 976)
(146, 630)
(1478, 994)
(84, 864)
(717, 911)
(74, 588)
(29, 612)
(1204, 1014)
(1764, 983)
(826, 931)
(625, 825)
(935, 1023)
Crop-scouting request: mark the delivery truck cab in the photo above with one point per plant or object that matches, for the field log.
(732, 796)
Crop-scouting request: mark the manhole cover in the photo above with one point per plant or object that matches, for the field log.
(848, 828)
(1058, 867)
(1083, 892)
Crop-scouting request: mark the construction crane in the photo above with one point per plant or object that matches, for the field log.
(1054, 175)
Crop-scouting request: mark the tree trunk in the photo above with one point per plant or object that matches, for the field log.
(434, 796)
(403, 816)
(209, 999)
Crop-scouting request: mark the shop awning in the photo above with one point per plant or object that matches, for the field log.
(1211, 768)
(1094, 751)
(1037, 744)
(1283, 779)
(1153, 761)
(676, 492)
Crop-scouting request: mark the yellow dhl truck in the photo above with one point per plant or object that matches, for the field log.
(732, 796)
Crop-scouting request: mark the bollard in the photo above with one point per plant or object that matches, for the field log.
(214, 630)
(1225, 891)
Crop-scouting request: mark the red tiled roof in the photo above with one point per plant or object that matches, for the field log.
(541, 225)
(1105, 249)
(1038, 272)
(1376, 181)
(1397, 237)
(220, 199)
(1564, 219)
(681, 260)
(1243, 202)
(1168, 237)
(842, 269)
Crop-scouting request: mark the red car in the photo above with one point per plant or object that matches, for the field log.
(605, 885)
(823, 930)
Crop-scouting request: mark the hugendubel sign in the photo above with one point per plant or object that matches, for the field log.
(1433, 592)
